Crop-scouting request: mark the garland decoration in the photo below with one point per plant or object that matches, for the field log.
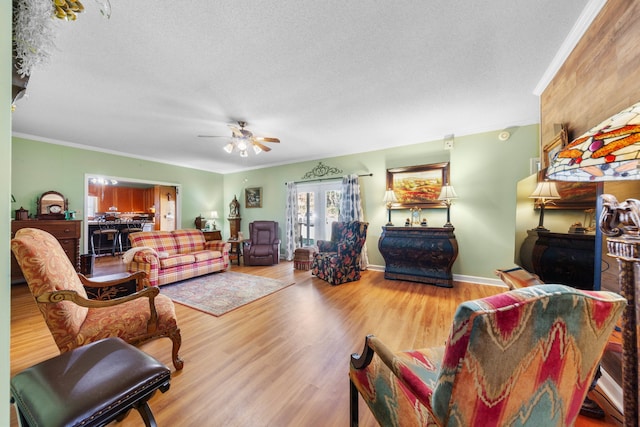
(33, 34)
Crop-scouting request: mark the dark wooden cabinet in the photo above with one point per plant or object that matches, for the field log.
(565, 258)
(419, 254)
(212, 235)
(67, 233)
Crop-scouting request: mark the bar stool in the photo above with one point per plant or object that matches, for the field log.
(132, 226)
(107, 228)
(89, 386)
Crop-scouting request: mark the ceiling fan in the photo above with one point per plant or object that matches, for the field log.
(243, 139)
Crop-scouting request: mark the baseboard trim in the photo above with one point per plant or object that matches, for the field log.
(457, 277)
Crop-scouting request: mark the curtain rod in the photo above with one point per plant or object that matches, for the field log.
(325, 179)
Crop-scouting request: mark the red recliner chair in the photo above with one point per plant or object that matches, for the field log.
(263, 248)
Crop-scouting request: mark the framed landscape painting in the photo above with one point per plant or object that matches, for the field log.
(418, 186)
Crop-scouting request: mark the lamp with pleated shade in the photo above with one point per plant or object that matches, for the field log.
(389, 199)
(544, 192)
(447, 194)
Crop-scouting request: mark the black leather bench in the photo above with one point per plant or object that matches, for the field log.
(91, 385)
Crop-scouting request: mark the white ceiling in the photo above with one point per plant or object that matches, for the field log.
(328, 78)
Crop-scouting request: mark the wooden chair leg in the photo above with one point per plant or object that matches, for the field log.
(353, 404)
(176, 339)
(146, 414)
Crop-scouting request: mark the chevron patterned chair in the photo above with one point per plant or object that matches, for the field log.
(521, 358)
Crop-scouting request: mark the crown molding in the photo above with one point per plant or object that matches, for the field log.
(581, 26)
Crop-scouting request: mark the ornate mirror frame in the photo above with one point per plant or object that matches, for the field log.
(52, 205)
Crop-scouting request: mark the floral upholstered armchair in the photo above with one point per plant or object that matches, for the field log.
(523, 357)
(72, 318)
(338, 261)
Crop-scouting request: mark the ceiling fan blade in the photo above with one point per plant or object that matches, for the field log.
(237, 132)
(262, 147)
(266, 139)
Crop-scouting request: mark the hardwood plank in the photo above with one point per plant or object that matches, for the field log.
(280, 361)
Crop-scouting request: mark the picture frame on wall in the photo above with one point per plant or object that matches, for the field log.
(551, 150)
(253, 197)
(418, 186)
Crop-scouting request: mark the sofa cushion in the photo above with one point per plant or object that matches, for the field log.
(161, 241)
(206, 255)
(188, 241)
(177, 260)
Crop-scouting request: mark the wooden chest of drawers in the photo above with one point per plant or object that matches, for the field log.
(67, 233)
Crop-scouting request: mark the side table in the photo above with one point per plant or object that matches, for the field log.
(235, 253)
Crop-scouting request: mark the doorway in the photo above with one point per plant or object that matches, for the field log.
(156, 204)
(318, 207)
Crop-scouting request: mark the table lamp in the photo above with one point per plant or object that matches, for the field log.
(214, 216)
(610, 152)
(544, 192)
(447, 194)
(389, 199)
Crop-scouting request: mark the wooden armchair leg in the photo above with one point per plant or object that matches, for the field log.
(353, 404)
(176, 339)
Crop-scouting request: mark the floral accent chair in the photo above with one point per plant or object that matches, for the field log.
(338, 261)
(72, 318)
(523, 357)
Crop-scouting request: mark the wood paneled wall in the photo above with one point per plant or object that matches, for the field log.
(601, 76)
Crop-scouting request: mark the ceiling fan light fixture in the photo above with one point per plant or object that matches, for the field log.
(229, 147)
(243, 153)
(257, 149)
(242, 144)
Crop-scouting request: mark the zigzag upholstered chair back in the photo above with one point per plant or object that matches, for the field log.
(524, 357)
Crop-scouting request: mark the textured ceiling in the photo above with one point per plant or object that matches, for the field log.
(326, 77)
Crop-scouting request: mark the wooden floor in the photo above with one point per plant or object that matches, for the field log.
(279, 361)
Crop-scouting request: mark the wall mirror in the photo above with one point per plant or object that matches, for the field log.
(559, 255)
(52, 205)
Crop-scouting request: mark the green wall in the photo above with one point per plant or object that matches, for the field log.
(484, 172)
(40, 167)
(5, 206)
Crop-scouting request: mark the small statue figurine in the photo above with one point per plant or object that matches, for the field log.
(423, 223)
(407, 223)
(234, 208)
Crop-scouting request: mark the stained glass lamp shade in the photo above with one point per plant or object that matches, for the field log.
(611, 152)
(607, 152)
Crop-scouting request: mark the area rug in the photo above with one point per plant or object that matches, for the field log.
(219, 293)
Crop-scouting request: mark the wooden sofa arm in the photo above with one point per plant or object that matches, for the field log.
(149, 292)
(114, 279)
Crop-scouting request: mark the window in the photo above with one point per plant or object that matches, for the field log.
(318, 207)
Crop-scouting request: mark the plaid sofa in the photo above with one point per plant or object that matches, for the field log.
(171, 256)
